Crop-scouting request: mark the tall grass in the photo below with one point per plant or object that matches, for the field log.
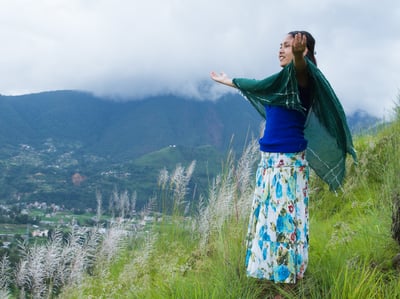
(351, 244)
(63, 260)
(202, 255)
(5, 277)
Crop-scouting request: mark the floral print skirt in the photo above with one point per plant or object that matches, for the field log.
(277, 238)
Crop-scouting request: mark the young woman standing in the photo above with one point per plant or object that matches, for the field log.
(305, 125)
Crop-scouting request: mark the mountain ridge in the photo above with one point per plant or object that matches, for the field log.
(132, 128)
(129, 128)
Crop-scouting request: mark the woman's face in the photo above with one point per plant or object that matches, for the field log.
(285, 51)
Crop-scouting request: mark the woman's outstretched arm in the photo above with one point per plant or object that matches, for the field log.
(299, 49)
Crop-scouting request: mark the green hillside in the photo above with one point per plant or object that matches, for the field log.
(352, 244)
(121, 130)
(47, 138)
(45, 173)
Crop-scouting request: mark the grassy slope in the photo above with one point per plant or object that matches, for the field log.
(350, 255)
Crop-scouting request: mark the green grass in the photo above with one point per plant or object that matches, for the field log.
(351, 247)
(13, 229)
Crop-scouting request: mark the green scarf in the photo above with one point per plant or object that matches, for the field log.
(329, 138)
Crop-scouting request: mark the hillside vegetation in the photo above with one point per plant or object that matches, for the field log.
(49, 137)
(352, 239)
(352, 244)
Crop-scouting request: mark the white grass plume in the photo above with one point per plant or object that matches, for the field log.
(63, 260)
(244, 177)
(177, 184)
(163, 178)
(99, 211)
(5, 277)
(137, 272)
(113, 241)
(229, 195)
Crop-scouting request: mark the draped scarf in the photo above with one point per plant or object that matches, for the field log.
(326, 130)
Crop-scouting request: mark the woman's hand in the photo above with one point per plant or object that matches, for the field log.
(299, 45)
(222, 78)
(299, 50)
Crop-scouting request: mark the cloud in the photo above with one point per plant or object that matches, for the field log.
(132, 49)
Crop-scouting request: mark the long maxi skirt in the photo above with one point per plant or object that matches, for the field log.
(277, 239)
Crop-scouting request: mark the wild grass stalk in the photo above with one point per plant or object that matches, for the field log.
(5, 277)
(179, 184)
(173, 189)
(163, 178)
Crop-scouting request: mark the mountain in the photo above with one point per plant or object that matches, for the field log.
(361, 121)
(124, 130)
(48, 140)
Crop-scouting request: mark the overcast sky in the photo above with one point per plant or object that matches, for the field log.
(132, 49)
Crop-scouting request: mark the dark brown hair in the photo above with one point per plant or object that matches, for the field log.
(310, 44)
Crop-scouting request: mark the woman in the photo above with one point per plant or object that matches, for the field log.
(303, 119)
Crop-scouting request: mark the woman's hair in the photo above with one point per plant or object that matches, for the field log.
(310, 44)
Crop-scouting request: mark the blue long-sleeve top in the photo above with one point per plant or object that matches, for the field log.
(284, 128)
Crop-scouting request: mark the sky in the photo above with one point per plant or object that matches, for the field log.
(131, 49)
